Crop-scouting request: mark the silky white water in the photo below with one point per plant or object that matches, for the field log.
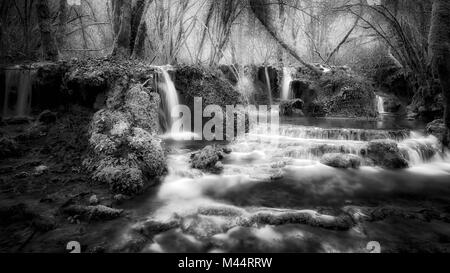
(286, 85)
(269, 87)
(380, 105)
(278, 176)
(170, 100)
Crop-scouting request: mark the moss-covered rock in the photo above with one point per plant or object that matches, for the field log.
(343, 161)
(386, 153)
(125, 154)
(436, 128)
(209, 84)
(291, 107)
(208, 159)
(339, 93)
(142, 107)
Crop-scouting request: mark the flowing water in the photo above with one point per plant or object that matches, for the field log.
(170, 97)
(274, 194)
(269, 87)
(18, 92)
(286, 84)
(380, 105)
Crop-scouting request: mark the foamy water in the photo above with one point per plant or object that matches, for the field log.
(280, 176)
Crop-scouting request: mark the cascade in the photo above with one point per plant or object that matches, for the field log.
(380, 105)
(170, 97)
(286, 84)
(18, 92)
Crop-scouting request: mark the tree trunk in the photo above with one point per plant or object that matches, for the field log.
(123, 37)
(136, 19)
(138, 41)
(62, 18)
(259, 8)
(439, 49)
(50, 51)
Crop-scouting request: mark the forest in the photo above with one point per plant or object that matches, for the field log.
(89, 154)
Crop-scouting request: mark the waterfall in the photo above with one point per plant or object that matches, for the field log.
(18, 92)
(286, 87)
(269, 88)
(380, 105)
(170, 97)
(307, 142)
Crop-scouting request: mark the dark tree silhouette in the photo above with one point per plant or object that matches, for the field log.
(439, 49)
(49, 49)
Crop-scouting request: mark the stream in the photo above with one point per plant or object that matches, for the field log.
(274, 195)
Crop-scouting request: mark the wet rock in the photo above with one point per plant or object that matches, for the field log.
(93, 200)
(140, 104)
(47, 117)
(307, 217)
(151, 227)
(208, 84)
(8, 147)
(343, 161)
(291, 107)
(120, 198)
(277, 175)
(98, 212)
(204, 226)
(21, 175)
(40, 170)
(436, 128)
(207, 158)
(125, 154)
(386, 153)
(126, 158)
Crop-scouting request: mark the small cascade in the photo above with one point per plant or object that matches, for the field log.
(18, 92)
(311, 143)
(170, 100)
(307, 132)
(380, 105)
(245, 87)
(286, 84)
(269, 87)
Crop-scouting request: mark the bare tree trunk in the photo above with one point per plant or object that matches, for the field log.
(136, 19)
(122, 41)
(141, 33)
(282, 18)
(50, 51)
(259, 8)
(117, 12)
(439, 48)
(62, 18)
(336, 49)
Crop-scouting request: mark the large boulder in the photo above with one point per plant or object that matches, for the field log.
(208, 158)
(141, 105)
(343, 161)
(291, 107)
(436, 128)
(386, 153)
(124, 153)
(343, 93)
(207, 83)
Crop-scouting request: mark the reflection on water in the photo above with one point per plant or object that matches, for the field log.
(274, 195)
